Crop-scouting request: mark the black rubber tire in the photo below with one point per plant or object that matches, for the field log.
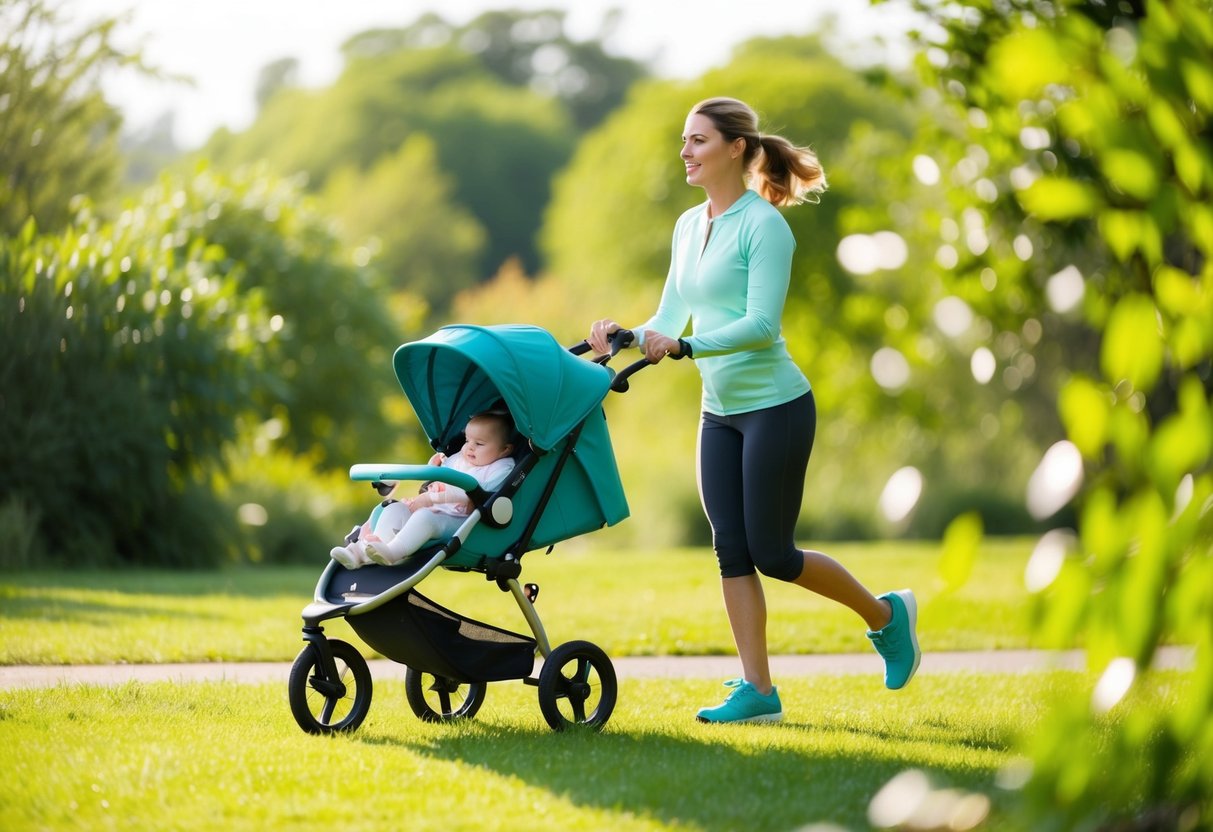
(577, 686)
(346, 702)
(439, 699)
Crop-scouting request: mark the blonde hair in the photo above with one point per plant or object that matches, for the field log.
(782, 173)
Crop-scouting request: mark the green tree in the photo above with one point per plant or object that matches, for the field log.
(523, 49)
(401, 211)
(58, 135)
(500, 144)
(1079, 138)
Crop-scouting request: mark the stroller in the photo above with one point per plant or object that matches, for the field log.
(565, 482)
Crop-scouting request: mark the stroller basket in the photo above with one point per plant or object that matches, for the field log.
(414, 631)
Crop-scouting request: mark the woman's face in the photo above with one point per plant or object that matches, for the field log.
(708, 157)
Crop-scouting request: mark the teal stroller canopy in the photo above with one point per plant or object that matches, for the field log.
(462, 370)
(555, 399)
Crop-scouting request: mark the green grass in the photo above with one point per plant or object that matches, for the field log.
(628, 602)
(221, 755)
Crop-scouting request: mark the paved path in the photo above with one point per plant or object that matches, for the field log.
(630, 667)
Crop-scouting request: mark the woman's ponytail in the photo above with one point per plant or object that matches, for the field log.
(784, 174)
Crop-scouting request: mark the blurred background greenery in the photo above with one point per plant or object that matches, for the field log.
(1004, 302)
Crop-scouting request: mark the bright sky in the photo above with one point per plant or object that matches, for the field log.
(223, 44)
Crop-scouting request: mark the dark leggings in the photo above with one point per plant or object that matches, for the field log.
(751, 481)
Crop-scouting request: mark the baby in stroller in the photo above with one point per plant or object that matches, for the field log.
(405, 526)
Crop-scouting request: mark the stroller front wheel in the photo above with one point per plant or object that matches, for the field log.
(577, 686)
(325, 706)
(439, 699)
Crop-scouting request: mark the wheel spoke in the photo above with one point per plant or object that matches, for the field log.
(444, 700)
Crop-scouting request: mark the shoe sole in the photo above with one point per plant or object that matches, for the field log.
(759, 718)
(907, 598)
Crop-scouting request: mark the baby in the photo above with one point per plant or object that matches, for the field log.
(441, 509)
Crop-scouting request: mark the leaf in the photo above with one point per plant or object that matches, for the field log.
(1026, 61)
(1132, 346)
(1199, 79)
(1084, 411)
(960, 543)
(1059, 199)
(1131, 172)
(1121, 230)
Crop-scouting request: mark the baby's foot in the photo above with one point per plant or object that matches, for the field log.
(345, 557)
(380, 554)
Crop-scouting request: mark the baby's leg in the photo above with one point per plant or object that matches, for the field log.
(421, 526)
(391, 520)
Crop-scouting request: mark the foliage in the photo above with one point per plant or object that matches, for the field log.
(57, 132)
(524, 49)
(499, 144)
(328, 368)
(124, 363)
(136, 351)
(401, 210)
(1082, 140)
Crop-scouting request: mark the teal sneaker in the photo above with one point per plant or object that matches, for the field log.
(897, 641)
(744, 704)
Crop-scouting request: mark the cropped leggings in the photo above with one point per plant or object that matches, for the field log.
(751, 469)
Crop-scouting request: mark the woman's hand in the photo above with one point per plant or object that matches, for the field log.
(658, 346)
(599, 331)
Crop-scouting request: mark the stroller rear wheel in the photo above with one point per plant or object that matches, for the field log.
(325, 706)
(577, 686)
(439, 699)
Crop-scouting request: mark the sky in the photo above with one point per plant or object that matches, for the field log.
(223, 44)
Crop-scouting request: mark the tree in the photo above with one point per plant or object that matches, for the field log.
(1080, 137)
(58, 135)
(499, 144)
(273, 77)
(401, 210)
(527, 49)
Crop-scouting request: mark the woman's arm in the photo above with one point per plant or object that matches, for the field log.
(768, 253)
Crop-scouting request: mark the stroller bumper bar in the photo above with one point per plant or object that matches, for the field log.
(497, 514)
(373, 471)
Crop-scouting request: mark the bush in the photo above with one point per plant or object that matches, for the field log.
(122, 368)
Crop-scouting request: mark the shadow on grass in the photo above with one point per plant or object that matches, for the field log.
(235, 581)
(733, 783)
(49, 605)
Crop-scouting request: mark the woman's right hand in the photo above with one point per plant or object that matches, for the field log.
(599, 331)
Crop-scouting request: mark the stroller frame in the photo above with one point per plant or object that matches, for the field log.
(449, 658)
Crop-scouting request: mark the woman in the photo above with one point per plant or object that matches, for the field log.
(729, 273)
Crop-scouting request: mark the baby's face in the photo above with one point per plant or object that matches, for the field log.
(484, 444)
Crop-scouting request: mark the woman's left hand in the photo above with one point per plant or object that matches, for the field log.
(658, 346)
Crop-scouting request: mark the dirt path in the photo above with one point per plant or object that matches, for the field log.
(631, 667)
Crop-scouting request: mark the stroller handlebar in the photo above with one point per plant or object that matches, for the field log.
(619, 339)
(378, 471)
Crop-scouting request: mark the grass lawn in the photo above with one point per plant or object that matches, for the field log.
(228, 756)
(628, 602)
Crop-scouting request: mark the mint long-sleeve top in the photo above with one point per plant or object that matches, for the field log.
(731, 285)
